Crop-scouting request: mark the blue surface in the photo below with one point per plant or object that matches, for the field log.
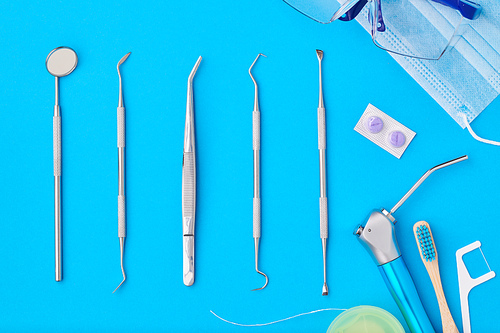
(166, 37)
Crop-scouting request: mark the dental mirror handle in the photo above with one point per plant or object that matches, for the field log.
(57, 183)
(424, 177)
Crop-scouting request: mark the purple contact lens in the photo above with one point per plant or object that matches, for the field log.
(374, 124)
(397, 139)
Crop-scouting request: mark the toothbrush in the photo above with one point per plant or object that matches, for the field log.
(428, 253)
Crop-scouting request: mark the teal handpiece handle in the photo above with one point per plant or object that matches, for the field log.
(403, 290)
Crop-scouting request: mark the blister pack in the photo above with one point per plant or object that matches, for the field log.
(384, 131)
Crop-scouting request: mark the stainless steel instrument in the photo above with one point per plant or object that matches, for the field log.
(189, 184)
(323, 202)
(256, 174)
(122, 226)
(60, 62)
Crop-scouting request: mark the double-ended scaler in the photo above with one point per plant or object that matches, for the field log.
(122, 226)
(256, 173)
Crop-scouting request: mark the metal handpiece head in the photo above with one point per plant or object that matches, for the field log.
(378, 234)
(256, 98)
(120, 97)
(61, 61)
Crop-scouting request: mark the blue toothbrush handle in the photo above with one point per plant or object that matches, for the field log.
(403, 290)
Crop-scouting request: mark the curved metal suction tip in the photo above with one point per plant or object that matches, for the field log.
(319, 53)
(267, 280)
(424, 177)
(122, 60)
(121, 262)
(325, 289)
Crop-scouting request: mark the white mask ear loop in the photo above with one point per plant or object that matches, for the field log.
(474, 135)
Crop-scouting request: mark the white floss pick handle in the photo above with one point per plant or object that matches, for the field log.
(384, 131)
(466, 282)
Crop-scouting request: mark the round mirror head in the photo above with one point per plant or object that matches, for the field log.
(61, 61)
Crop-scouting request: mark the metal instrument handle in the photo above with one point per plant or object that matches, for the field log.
(188, 193)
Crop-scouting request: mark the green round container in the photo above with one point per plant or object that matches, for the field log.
(365, 319)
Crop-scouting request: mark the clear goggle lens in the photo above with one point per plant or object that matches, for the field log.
(415, 28)
(399, 26)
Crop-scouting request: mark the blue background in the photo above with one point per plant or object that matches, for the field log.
(166, 38)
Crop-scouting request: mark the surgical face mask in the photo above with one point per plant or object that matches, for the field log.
(466, 79)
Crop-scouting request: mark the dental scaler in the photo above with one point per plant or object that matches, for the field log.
(256, 173)
(378, 236)
(122, 226)
(323, 201)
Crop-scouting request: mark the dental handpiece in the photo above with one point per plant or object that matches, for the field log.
(378, 236)
(323, 201)
(122, 227)
(189, 184)
(256, 174)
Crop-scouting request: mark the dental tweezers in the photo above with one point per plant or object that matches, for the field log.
(189, 185)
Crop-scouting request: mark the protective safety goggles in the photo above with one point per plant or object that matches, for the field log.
(415, 28)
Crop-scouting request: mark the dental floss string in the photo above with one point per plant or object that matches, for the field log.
(474, 135)
(485, 259)
(276, 321)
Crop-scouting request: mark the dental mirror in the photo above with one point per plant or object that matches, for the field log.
(60, 62)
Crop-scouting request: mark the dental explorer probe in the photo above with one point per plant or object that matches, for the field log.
(189, 185)
(256, 173)
(122, 227)
(60, 62)
(323, 202)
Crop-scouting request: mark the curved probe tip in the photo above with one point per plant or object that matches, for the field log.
(120, 284)
(253, 63)
(267, 280)
(122, 245)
